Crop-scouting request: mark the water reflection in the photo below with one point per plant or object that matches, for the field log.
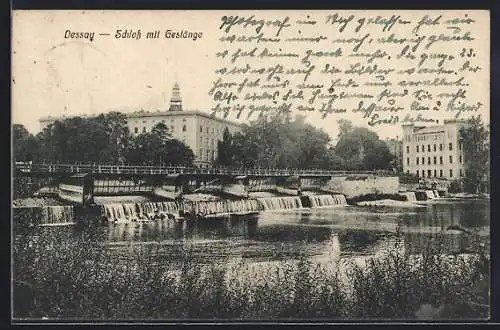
(337, 231)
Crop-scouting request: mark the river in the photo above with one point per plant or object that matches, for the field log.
(321, 233)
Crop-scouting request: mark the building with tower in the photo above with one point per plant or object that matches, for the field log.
(198, 130)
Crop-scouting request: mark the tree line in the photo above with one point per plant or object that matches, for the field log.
(272, 141)
(277, 141)
(105, 139)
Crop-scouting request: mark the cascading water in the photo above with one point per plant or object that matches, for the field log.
(150, 210)
(57, 215)
(436, 193)
(280, 203)
(327, 200)
(430, 194)
(410, 196)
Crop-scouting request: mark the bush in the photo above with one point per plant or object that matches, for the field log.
(64, 276)
(375, 197)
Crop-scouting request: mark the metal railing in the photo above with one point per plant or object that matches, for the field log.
(161, 169)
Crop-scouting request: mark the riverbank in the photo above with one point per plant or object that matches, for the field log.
(80, 279)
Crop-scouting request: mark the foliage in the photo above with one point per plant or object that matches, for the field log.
(104, 138)
(375, 197)
(361, 148)
(158, 147)
(67, 276)
(275, 141)
(475, 141)
(25, 146)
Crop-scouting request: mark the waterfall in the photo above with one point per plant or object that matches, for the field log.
(410, 196)
(280, 203)
(436, 193)
(430, 194)
(52, 215)
(148, 211)
(327, 200)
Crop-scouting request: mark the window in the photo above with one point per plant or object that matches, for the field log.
(136, 130)
(417, 172)
(423, 160)
(428, 148)
(423, 173)
(435, 160)
(451, 159)
(440, 173)
(201, 153)
(417, 148)
(213, 130)
(407, 161)
(435, 173)
(183, 128)
(407, 149)
(201, 140)
(171, 128)
(201, 129)
(429, 173)
(434, 147)
(429, 160)
(144, 130)
(461, 172)
(460, 146)
(440, 147)
(450, 146)
(451, 173)
(441, 160)
(213, 143)
(460, 159)
(423, 148)
(417, 160)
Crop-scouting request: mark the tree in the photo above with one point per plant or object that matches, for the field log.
(225, 150)
(475, 143)
(361, 149)
(25, 145)
(158, 148)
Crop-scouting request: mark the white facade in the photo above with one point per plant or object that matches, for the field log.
(196, 129)
(435, 151)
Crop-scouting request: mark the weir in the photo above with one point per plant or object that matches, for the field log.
(143, 211)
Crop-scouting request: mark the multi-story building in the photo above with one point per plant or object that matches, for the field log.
(434, 151)
(198, 130)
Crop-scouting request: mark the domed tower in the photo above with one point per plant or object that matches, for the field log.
(175, 100)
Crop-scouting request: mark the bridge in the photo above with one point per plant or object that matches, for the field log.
(79, 183)
(28, 169)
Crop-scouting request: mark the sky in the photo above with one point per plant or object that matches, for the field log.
(54, 75)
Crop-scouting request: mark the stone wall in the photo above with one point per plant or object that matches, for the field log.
(353, 186)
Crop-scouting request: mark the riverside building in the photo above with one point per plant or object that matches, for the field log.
(434, 151)
(198, 130)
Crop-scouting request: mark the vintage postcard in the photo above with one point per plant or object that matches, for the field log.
(250, 165)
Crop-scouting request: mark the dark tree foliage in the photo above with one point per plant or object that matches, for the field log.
(475, 143)
(361, 149)
(101, 139)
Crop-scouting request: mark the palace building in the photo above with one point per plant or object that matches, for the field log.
(434, 151)
(198, 130)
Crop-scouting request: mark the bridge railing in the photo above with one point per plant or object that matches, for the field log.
(149, 169)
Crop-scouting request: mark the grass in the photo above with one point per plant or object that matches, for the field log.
(68, 276)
